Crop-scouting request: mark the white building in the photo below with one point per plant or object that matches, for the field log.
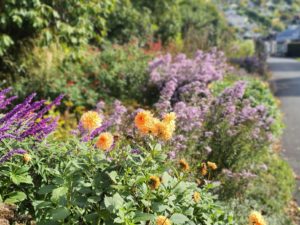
(292, 34)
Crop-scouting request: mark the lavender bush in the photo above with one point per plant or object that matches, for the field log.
(22, 129)
(24, 120)
(225, 128)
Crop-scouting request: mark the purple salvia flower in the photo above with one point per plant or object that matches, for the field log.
(48, 107)
(97, 131)
(11, 153)
(25, 119)
(135, 151)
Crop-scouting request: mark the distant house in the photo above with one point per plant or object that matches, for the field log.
(288, 38)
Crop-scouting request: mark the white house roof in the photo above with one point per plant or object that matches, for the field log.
(290, 34)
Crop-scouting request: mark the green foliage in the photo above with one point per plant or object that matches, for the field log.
(271, 189)
(165, 17)
(116, 72)
(127, 22)
(236, 150)
(203, 26)
(241, 49)
(71, 181)
(28, 24)
(72, 22)
(269, 192)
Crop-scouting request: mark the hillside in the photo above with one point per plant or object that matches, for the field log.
(260, 16)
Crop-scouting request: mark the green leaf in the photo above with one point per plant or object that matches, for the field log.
(42, 205)
(158, 207)
(113, 203)
(92, 217)
(58, 193)
(46, 189)
(60, 213)
(178, 218)
(113, 175)
(119, 220)
(22, 178)
(143, 217)
(15, 197)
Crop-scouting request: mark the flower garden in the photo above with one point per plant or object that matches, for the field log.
(138, 134)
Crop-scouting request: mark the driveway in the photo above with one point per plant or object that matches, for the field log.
(286, 77)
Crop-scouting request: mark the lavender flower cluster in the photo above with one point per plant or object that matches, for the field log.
(184, 86)
(231, 105)
(26, 119)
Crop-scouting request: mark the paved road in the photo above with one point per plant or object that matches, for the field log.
(286, 76)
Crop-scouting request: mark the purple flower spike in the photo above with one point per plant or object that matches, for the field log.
(26, 119)
(11, 153)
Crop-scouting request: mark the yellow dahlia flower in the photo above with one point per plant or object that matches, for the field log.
(144, 121)
(212, 165)
(105, 141)
(184, 165)
(90, 120)
(162, 220)
(154, 182)
(255, 218)
(169, 117)
(196, 196)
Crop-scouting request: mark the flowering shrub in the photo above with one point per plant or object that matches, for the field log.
(20, 128)
(134, 189)
(26, 119)
(226, 128)
(258, 93)
(240, 132)
(105, 180)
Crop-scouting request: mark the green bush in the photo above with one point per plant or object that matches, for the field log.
(127, 22)
(72, 182)
(267, 183)
(271, 191)
(116, 72)
(31, 23)
(166, 18)
(72, 22)
(203, 26)
(241, 49)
